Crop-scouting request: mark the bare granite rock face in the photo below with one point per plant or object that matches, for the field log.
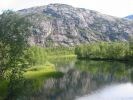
(60, 24)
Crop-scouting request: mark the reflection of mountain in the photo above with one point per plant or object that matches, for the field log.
(83, 77)
(73, 83)
(112, 92)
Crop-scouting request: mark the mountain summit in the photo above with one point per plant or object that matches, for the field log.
(60, 24)
(129, 17)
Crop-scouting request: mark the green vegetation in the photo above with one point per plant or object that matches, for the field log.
(39, 55)
(34, 77)
(14, 57)
(105, 67)
(3, 88)
(37, 74)
(106, 51)
(14, 33)
(38, 71)
(59, 51)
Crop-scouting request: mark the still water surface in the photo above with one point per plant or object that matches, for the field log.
(121, 91)
(82, 80)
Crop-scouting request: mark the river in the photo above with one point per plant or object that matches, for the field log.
(82, 80)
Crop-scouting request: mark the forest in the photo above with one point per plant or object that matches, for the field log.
(106, 51)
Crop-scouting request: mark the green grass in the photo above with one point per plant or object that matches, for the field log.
(63, 56)
(38, 74)
(39, 71)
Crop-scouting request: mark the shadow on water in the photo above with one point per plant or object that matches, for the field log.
(78, 78)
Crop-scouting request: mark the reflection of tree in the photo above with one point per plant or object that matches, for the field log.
(73, 83)
(114, 70)
(132, 76)
(62, 62)
(16, 81)
(25, 89)
(83, 78)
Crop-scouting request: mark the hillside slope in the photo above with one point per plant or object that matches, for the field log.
(60, 24)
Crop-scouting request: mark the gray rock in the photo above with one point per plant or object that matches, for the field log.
(60, 24)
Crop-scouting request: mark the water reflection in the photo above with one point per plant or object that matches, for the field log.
(108, 71)
(82, 80)
(122, 91)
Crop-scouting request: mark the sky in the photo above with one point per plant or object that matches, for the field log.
(118, 8)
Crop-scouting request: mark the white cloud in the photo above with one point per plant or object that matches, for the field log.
(118, 8)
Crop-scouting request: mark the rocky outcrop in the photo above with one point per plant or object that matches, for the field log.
(60, 24)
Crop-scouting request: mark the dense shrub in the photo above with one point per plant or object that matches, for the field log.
(105, 50)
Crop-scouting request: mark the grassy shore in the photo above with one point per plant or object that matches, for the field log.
(39, 70)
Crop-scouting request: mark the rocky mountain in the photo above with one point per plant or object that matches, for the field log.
(60, 24)
(129, 17)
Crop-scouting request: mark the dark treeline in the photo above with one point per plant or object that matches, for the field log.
(106, 51)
